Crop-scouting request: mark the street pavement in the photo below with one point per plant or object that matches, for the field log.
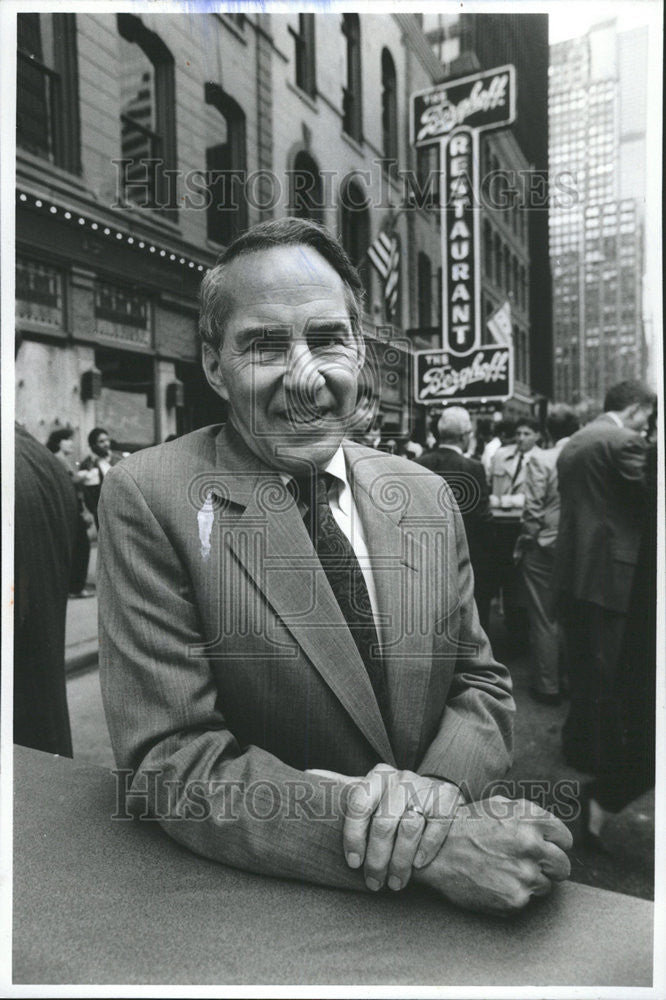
(628, 864)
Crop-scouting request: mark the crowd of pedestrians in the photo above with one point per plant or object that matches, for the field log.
(561, 527)
(561, 530)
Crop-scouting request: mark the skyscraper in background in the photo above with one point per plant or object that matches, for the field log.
(597, 102)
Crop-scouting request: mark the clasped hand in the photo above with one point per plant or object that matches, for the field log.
(492, 855)
(396, 821)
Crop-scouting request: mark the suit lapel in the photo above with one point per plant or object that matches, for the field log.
(272, 544)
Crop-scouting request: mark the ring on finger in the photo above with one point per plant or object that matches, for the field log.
(415, 808)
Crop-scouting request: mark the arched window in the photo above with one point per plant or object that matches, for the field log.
(225, 165)
(47, 97)
(425, 290)
(147, 115)
(352, 121)
(355, 230)
(389, 109)
(306, 196)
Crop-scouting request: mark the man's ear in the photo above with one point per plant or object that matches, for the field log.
(210, 362)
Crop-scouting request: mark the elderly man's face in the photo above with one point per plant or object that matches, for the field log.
(289, 361)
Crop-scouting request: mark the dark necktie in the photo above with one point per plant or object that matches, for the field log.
(519, 466)
(345, 576)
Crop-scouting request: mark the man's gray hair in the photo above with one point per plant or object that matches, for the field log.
(453, 423)
(216, 299)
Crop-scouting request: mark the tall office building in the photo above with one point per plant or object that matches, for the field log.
(597, 97)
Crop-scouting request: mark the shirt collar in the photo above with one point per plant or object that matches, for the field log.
(337, 467)
(453, 447)
(615, 418)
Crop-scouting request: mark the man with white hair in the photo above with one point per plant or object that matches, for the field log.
(467, 480)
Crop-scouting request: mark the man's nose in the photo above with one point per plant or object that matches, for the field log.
(302, 377)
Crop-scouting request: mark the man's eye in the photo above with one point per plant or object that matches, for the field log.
(268, 355)
(322, 341)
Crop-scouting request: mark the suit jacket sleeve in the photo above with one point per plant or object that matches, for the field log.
(237, 805)
(474, 742)
(629, 458)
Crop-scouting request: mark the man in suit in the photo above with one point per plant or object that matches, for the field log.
(535, 550)
(467, 480)
(285, 613)
(509, 463)
(602, 487)
(44, 533)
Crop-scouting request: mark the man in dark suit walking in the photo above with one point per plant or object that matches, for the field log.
(601, 480)
(467, 480)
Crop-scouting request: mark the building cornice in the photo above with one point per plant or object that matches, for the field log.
(419, 45)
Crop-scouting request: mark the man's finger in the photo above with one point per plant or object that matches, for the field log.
(552, 828)
(541, 886)
(407, 841)
(379, 848)
(361, 804)
(557, 833)
(554, 863)
(434, 835)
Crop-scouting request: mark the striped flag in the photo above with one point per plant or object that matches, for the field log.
(385, 258)
(500, 324)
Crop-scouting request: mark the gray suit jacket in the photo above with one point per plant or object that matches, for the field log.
(541, 514)
(601, 473)
(225, 658)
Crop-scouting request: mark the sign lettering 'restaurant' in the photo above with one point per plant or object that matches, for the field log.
(484, 100)
(453, 115)
(484, 374)
(460, 262)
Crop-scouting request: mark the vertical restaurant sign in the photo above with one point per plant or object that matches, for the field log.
(461, 289)
(452, 115)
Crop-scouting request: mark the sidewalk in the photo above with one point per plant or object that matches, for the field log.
(81, 642)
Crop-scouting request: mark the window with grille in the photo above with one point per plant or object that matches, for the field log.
(306, 196)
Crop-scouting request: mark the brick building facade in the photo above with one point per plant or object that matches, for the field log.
(144, 144)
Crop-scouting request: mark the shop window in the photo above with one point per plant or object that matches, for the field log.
(304, 54)
(352, 121)
(226, 164)
(425, 290)
(147, 115)
(47, 98)
(427, 176)
(306, 197)
(355, 230)
(126, 406)
(389, 110)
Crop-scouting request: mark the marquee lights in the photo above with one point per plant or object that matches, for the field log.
(117, 234)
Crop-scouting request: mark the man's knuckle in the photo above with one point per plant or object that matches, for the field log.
(383, 825)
